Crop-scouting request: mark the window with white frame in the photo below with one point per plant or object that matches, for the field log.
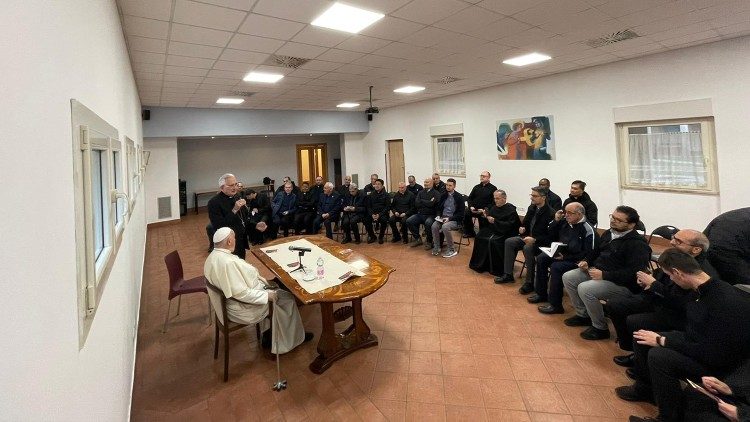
(448, 150)
(131, 171)
(97, 165)
(677, 155)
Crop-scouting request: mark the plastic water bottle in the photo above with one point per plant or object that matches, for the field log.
(321, 272)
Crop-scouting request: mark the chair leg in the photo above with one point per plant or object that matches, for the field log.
(216, 340)
(179, 302)
(209, 311)
(166, 319)
(226, 356)
(257, 331)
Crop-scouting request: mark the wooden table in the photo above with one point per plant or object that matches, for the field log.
(333, 346)
(198, 193)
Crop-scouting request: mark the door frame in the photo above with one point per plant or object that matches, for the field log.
(390, 178)
(313, 146)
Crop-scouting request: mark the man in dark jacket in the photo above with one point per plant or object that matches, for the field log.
(402, 207)
(343, 190)
(579, 238)
(450, 214)
(353, 212)
(370, 186)
(306, 202)
(282, 210)
(533, 233)
(317, 188)
(378, 204)
(413, 186)
(329, 208)
(609, 271)
(716, 339)
(479, 199)
(577, 194)
(260, 211)
(228, 209)
(425, 204)
(553, 199)
(437, 184)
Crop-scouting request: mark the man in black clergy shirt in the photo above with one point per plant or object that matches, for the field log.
(437, 184)
(578, 194)
(425, 205)
(715, 341)
(317, 189)
(402, 207)
(378, 205)
(370, 186)
(227, 209)
(260, 211)
(413, 186)
(479, 199)
(553, 199)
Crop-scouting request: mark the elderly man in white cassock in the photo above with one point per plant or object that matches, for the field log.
(241, 281)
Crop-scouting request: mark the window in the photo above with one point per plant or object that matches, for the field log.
(448, 149)
(97, 167)
(668, 155)
(131, 172)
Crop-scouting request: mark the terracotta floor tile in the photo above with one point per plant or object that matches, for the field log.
(465, 413)
(402, 297)
(551, 348)
(425, 363)
(584, 400)
(424, 310)
(398, 323)
(416, 411)
(518, 346)
(425, 388)
(528, 369)
(463, 391)
(393, 410)
(496, 367)
(425, 324)
(604, 372)
(549, 417)
(400, 308)
(389, 386)
(566, 371)
(425, 341)
(455, 343)
(542, 397)
(400, 340)
(502, 394)
(393, 361)
(486, 346)
(503, 415)
(367, 411)
(459, 364)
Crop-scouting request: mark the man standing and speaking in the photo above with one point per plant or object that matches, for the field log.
(228, 209)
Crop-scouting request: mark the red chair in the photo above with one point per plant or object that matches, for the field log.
(178, 286)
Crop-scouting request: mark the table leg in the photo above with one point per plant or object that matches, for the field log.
(333, 346)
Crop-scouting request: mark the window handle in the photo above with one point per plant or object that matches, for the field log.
(115, 195)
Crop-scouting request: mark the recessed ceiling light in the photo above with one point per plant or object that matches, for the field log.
(227, 100)
(527, 59)
(409, 89)
(346, 18)
(268, 78)
(213, 137)
(348, 105)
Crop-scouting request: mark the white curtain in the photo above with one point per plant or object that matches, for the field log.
(673, 159)
(450, 156)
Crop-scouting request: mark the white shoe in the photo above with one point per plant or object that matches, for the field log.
(450, 253)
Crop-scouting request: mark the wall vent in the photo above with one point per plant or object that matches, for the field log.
(445, 80)
(164, 205)
(612, 38)
(241, 93)
(287, 61)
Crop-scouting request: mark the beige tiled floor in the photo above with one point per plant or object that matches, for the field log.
(453, 346)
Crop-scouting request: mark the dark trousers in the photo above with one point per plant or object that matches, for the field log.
(283, 221)
(350, 225)
(469, 222)
(382, 220)
(416, 221)
(619, 310)
(327, 223)
(394, 229)
(210, 232)
(549, 276)
(666, 368)
(303, 220)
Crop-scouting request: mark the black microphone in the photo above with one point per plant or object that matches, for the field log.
(298, 249)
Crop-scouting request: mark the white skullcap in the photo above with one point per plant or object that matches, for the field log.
(221, 234)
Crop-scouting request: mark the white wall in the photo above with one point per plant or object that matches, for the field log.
(582, 104)
(161, 177)
(53, 51)
(202, 162)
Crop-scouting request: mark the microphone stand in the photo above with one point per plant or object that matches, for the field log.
(301, 267)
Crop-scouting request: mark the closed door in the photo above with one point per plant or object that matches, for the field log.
(396, 167)
(312, 161)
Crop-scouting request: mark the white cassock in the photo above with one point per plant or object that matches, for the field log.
(241, 281)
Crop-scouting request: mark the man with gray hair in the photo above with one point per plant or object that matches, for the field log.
(228, 209)
(329, 208)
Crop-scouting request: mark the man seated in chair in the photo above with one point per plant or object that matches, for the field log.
(450, 215)
(306, 203)
(241, 281)
(329, 208)
(402, 207)
(260, 211)
(353, 212)
(378, 204)
(282, 210)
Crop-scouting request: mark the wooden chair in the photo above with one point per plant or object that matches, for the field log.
(178, 286)
(225, 325)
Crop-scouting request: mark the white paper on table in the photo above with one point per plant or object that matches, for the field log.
(336, 270)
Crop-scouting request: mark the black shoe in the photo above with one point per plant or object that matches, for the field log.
(381, 240)
(630, 372)
(627, 361)
(405, 240)
(469, 235)
(428, 245)
(526, 288)
(357, 241)
(577, 321)
(308, 337)
(265, 339)
(535, 298)
(593, 333)
(632, 393)
(417, 242)
(346, 240)
(395, 239)
(370, 239)
(644, 419)
(550, 309)
(506, 278)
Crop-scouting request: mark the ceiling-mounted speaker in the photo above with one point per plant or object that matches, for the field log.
(146, 114)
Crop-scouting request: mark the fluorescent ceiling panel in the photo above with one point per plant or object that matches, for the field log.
(346, 18)
(268, 78)
(527, 59)
(409, 89)
(224, 100)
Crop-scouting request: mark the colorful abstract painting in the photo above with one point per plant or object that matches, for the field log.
(529, 138)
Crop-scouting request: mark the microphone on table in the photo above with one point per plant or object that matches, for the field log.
(299, 249)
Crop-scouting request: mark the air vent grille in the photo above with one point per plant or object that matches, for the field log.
(288, 61)
(241, 93)
(164, 206)
(612, 38)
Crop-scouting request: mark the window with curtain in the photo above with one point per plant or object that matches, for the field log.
(449, 156)
(675, 155)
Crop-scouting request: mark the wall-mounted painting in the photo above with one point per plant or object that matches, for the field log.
(529, 138)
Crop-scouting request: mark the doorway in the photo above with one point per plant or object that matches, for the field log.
(312, 161)
(396, 167)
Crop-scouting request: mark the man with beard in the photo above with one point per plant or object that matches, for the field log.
(479, 199)
(502, 223)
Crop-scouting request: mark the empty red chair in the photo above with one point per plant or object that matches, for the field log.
(178, 286)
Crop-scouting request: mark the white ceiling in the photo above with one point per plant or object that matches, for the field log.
(188, 53)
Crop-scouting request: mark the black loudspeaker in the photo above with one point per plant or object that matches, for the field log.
(146, 114)
(369, 117)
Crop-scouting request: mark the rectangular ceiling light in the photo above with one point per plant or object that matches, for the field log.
(346, 18)
(268, 78)
(409, 89)
(527, 59)
(348, 105)
(225, 100)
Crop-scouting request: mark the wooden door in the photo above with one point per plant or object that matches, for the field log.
(312, 161)
(396, 167)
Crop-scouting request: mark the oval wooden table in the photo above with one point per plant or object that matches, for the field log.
(332, 346)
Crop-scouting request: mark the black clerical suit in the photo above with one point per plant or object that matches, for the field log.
(425, 204)
(414, 188)
(592, 211)
(303, 218)
(480, 198)
(350, 219)
(331, 205)
(401, 203)
(378, 204)
(221, 215)
(489, 245)
(260, 211)
(554, 200)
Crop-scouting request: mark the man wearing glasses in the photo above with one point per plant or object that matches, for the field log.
(609, 271)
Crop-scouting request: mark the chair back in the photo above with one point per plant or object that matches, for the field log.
(218, 302)
(641, 228)
(174, 267)
(667, 232)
